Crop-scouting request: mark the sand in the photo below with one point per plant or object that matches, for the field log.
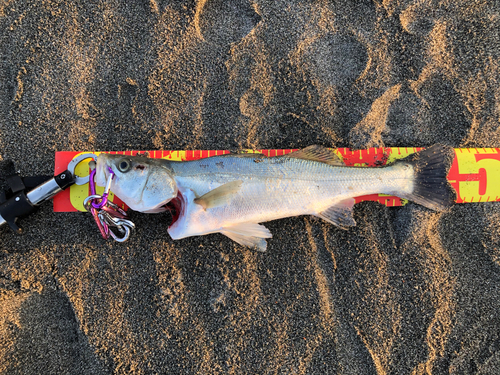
(407, 291)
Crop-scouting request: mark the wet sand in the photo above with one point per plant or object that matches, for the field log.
(407, 291)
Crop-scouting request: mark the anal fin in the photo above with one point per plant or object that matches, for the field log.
(248, 234)
(340, 214)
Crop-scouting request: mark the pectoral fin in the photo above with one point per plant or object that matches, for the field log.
(340, 214)
(248, 234)
(219, 196)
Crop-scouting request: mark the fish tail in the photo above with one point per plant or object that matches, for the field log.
(431, 187)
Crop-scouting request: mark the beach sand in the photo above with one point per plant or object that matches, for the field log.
(407, 291)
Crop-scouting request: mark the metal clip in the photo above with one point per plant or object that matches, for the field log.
(124, 226)
(73, 163)
(107, 215)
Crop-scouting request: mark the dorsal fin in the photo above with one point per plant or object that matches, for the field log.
(317, 153)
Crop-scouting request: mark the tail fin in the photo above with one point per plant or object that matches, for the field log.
(431, 188)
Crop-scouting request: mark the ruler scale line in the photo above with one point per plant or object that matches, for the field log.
(475, 172)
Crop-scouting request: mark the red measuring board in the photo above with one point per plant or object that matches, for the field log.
(475, 172)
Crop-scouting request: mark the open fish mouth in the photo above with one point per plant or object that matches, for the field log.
(175, 207)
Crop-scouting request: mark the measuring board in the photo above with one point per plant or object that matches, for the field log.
(474, 174)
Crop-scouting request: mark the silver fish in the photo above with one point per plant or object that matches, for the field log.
(233, 194)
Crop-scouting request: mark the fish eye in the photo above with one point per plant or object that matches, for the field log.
(124, 165)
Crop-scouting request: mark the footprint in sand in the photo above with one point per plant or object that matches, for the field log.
(418, 18)
(431, 111)
(223, 22)
(336, 59)
(443, 110)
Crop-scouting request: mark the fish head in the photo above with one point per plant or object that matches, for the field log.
(143, 184)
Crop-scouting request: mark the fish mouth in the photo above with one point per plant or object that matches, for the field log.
(101, 175)
(175, 207)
